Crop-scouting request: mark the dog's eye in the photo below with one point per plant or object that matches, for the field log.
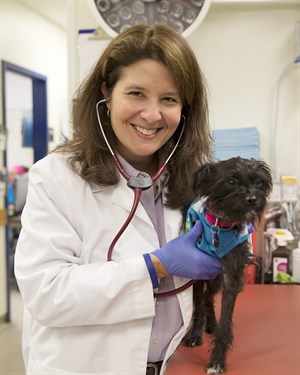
(232, 182)
(258, 182)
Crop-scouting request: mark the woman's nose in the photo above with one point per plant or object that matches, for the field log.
(151, 112)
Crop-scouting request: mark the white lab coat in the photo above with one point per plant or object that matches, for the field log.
(84, 315)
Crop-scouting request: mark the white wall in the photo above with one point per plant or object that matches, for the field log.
(243, 48)
(32, 42)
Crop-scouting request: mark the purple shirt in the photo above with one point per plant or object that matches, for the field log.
(168, 318)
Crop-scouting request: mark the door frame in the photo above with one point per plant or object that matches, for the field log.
(40, 137)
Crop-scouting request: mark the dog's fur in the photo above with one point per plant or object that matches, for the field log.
(235, 190)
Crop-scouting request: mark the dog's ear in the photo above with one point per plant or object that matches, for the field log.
(201, 176)
(267, 176)
(263, 172)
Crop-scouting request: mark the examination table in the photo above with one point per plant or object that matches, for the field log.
(266, 335)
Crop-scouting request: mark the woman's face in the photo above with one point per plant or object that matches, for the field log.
(145, 110)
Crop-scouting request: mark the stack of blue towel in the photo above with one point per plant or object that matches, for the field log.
(228, 143)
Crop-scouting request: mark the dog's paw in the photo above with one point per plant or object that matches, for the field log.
(215, 369)
(193, 341)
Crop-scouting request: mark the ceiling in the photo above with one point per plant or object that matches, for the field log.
(54, 10)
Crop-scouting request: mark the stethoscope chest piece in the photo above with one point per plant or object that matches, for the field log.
(140, 182)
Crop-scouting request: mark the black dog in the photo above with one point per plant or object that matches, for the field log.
(235, 193)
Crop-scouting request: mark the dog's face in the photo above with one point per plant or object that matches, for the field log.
(235, 189)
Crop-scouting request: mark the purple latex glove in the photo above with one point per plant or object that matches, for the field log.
(182, 258)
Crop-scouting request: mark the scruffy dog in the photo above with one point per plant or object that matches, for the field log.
(234, 194)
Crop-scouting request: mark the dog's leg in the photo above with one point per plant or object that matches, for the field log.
(198, 321)
(223, 337)
(213, 287)
(233, 273)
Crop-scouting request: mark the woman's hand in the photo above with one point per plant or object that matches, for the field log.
(180, 257)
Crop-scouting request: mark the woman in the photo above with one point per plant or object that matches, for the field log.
(84, 314)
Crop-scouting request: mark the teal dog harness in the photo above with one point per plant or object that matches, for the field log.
(215, 240)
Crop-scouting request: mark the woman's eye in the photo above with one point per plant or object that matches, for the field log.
(135, 93)
(169, 100)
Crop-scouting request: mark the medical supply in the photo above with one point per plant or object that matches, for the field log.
(275, 195)
(289, 187)
(296, 263)
(285, 278)
(281, 257)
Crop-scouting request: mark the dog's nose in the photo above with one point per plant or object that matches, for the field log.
(251, 198)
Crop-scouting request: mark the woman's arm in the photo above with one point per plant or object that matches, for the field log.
(58, 285)
(160, 269)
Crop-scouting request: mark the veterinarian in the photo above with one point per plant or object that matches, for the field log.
(141, 113)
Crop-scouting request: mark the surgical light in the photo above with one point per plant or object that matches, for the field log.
(115, 16)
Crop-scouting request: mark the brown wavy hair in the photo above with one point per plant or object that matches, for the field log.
(88, 148)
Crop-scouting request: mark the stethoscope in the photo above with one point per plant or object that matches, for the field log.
(138, 184)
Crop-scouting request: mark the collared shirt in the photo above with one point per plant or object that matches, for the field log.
(168, 319)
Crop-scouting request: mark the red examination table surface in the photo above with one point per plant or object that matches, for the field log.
(266, 331)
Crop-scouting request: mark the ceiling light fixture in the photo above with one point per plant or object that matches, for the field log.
(115, 16)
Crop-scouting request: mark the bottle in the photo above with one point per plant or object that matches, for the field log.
(281, 257)
(296, 263)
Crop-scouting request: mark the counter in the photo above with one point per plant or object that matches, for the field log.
(266, 331)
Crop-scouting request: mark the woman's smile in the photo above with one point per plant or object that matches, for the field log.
(145, 132)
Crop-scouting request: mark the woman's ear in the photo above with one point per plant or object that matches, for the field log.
(105, 93)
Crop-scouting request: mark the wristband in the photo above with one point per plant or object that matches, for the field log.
(151, 270)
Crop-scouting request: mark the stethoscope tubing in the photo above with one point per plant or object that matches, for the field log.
(137, 197)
